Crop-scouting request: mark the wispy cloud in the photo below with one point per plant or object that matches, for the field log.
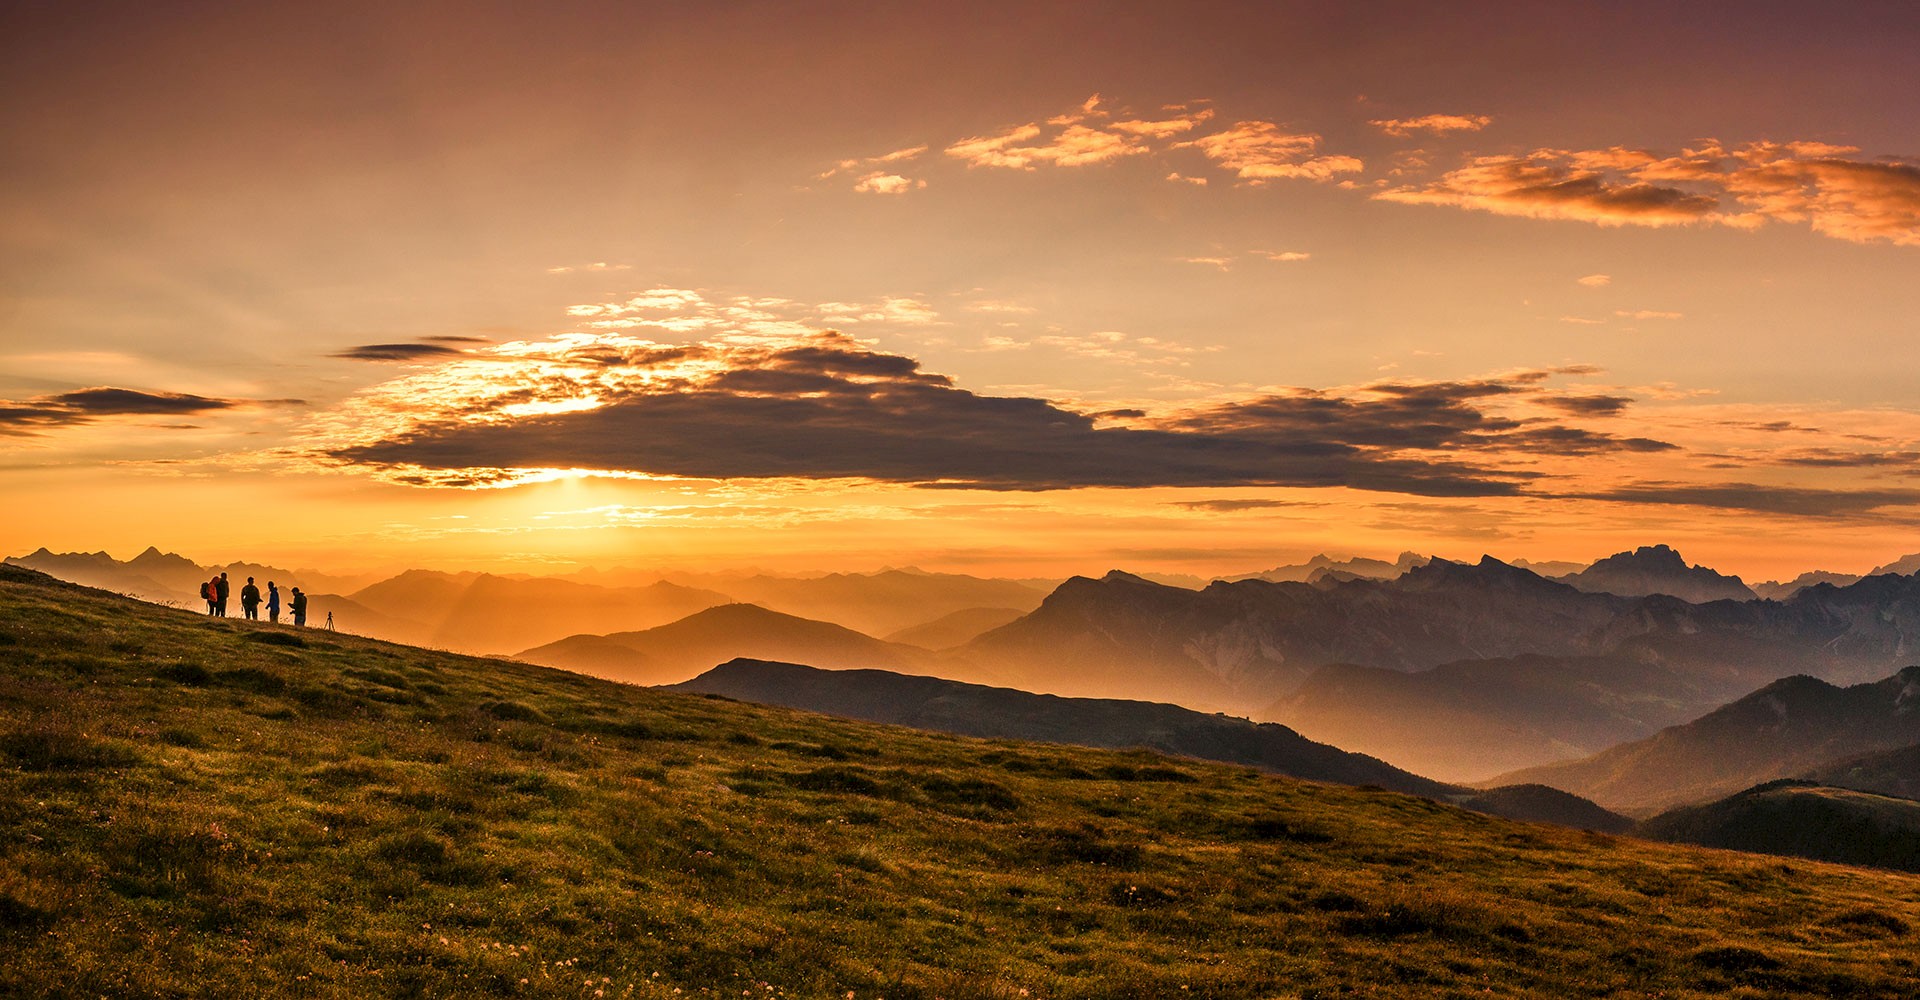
(878, 174)
(1436, 124)
(1258, 151)
(1595, 280)
(596, 266)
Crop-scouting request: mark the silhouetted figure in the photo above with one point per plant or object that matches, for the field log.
(250, 601)
(329, 621)
(299, 607)
(273, 602)
(221, 590)
(210, 593)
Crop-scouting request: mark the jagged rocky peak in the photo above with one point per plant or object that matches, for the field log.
(1658, 569)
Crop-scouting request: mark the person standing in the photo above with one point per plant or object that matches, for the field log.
(250, 601)
(273, 602)
(209, 592)
(299, 607)
(221, 589)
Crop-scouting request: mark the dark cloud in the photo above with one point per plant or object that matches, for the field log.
(1587, 406)
(82, 406)
(1831, 458)
(1765, 499)
(398, 352)
(1232, 506)
(449, 339)
(830, 409)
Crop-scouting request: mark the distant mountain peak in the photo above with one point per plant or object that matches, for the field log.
(1658, 569)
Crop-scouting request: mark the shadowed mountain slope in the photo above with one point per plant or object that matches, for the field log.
(679, 650)
(219, 808)
(1785, 728)
(976, 710)
(1885, 772)
(1802, 819)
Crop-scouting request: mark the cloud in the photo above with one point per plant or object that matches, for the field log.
(1596, 280)
(84, 406)
(1283, 256)
(1260, 151)
(396, 352)
(1223, 263)
(1587, 405)
(1235, 506)
(1074, 146)
(1542, 186)
(596, 266)
(866, 162)
(1181, 178)
(1827, 187)
(827, 406)
(881, 182)
(1436, 124)
(1647, 314)
(1804, 501)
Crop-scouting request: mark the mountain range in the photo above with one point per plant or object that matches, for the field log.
(241, 809)
(1792, 726)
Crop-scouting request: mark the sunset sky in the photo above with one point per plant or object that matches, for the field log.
(1023, 289)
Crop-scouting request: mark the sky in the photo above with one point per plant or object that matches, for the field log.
(1009, 289)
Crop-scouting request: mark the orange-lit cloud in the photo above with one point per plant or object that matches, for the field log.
(1260, 151)
(1436, 124)
(1822, 185)
(879, 181)
(1596, 280)
(825, 406)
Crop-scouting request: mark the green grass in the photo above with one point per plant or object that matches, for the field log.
(191, 807)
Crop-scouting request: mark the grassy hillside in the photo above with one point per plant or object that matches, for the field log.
(203, 808)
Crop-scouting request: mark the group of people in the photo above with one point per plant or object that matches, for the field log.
(216, 590)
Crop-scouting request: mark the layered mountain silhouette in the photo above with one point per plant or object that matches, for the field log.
(682, 649)
(480, 612)
(1788, 727)
(957, 628)
(1320, 566)
(1657, 569)
(1780, 591)
(1471, 719)
(1242, 646)
(1802, 819)
(874, 603)
(168, 578)
(979, 710)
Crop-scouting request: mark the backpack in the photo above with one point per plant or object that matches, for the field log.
(206, 591)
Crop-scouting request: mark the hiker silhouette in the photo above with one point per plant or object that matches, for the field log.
(250, 600)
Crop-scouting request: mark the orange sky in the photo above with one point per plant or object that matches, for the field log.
(987, 289)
